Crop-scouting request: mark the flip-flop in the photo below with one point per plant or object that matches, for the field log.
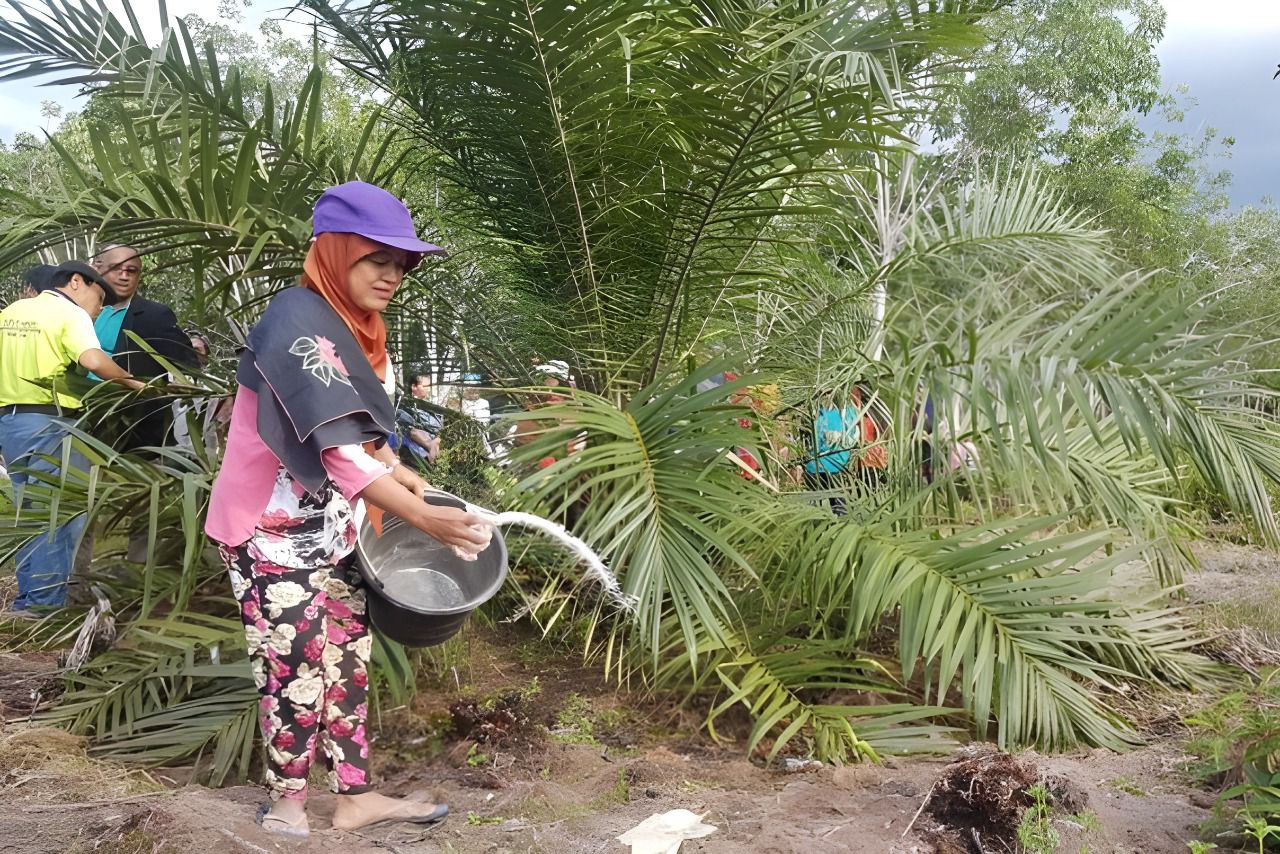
(283, 827)
(436, 816)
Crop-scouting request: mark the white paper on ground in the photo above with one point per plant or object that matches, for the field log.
(662, 833)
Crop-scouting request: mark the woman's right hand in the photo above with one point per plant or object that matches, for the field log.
(455, 527)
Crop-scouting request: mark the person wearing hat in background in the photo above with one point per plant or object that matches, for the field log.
(39, 336)
(38, 278)
(308, 437)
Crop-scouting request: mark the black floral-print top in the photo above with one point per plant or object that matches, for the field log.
(301, 530)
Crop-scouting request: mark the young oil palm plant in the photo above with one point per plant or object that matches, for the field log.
(631, 158)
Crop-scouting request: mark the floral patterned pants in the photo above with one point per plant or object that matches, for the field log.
(309, 647)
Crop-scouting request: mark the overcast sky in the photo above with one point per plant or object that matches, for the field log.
(1225, 50)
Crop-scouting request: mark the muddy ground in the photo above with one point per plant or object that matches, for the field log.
(583, 763)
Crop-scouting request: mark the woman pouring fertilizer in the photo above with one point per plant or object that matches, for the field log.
(307, 438)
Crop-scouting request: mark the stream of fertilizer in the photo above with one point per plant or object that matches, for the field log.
(596, 568)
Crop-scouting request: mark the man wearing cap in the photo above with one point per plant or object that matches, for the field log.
(39, 337)
(38, 278)
(154, 323)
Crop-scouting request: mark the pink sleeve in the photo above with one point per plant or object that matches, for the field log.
(352, 469)
(243, 487)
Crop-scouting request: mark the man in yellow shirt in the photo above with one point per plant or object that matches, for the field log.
(39, 337)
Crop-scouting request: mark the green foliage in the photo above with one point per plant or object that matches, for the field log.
(1036, 833)
(1124, 784)
(1258, 828)
(463, 466)
(475, 757)
(630, 158)
(636, 185)
(1236, 741)
(579, 722)
(1044, 59)
(622, 789)
(164, 694)
(204, 163)
(1158, 193)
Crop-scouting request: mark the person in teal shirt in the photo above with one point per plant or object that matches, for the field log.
(835, 432)
(108, 326)
(110, 320)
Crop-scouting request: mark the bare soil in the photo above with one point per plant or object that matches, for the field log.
(555, 760)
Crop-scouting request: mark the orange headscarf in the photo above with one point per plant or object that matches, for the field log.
(329, 260)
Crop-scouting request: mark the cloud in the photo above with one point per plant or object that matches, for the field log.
(1194, 19)
(20, 111)
(1227, 64)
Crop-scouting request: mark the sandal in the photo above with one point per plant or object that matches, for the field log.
(436, 816)
(297, 828)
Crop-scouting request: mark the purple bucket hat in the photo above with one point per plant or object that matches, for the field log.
(359, 208)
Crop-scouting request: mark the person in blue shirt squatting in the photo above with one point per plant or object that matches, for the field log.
(833, 434)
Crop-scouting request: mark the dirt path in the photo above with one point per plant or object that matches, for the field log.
(1137, 799)
(543, 795)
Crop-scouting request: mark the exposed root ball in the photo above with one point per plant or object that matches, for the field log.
(489, 723)
(986, 791)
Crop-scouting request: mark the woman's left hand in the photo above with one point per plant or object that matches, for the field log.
(410, 479)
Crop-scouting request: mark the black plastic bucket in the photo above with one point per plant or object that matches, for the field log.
(418, 591)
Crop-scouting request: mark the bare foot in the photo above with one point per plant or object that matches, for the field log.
(355, 811)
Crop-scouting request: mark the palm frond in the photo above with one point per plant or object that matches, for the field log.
(1012, 616)
(648, 486)
(203, 172)
(631, 153)
(163, 694)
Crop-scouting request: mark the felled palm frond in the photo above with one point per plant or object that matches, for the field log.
(170, 688)
(805, 687)
(164, 496)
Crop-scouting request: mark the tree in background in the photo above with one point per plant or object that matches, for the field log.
(1044, 63)
(1070, 83)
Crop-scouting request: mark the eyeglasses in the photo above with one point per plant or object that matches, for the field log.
(128, 271)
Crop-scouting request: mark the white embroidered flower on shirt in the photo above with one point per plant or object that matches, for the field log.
(321, 359)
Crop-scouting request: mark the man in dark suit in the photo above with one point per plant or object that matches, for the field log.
(154, 323)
